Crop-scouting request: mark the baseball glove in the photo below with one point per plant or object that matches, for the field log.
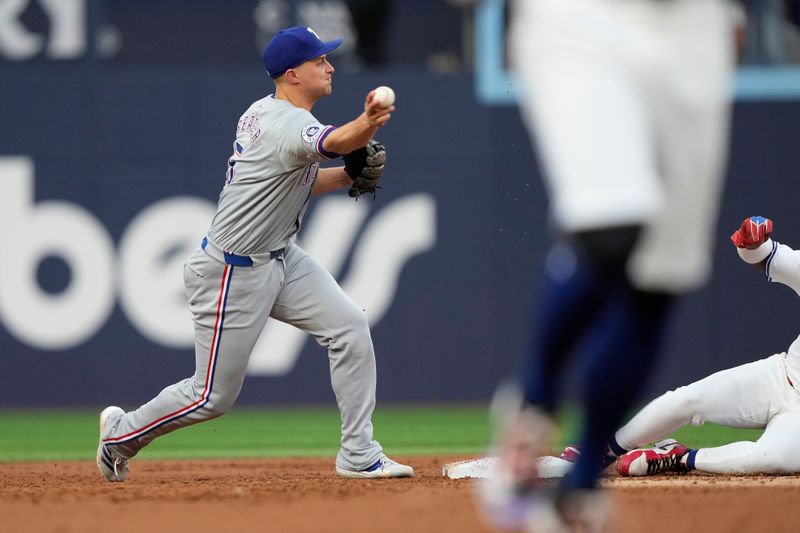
(365, 168)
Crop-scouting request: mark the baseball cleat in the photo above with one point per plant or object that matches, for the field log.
(588, 511)
(382, 468)
(521, 435)
(113, 468)
(665, 456)
(542, 516)
(572, 453)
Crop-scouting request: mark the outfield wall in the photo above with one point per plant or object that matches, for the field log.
(109, 176)
(122, 172)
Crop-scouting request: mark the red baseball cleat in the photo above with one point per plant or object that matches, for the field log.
(665, 456)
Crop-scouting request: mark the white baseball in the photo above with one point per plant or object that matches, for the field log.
(384, 96)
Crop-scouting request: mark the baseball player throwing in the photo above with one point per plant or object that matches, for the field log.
(764, 394)
(248, 267)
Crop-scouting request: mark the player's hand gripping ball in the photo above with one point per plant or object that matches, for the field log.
(753, 232)
(365, 168)
(384, 96)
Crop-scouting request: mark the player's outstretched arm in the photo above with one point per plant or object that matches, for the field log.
(330, 179)
(355, 134)
(780, 262)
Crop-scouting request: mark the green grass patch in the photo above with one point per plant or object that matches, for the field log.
(35, 435)
(49, 435)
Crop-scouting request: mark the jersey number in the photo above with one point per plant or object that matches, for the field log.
(229, 172)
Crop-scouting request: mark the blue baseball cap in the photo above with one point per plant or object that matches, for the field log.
(293, 46)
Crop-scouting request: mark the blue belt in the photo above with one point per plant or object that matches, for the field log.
(242, 260)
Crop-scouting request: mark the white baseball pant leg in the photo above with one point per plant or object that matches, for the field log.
(229, 305)
(652, 154)
(312, 301)
(689, 107)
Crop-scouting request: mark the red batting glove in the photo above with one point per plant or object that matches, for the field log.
(753, 232)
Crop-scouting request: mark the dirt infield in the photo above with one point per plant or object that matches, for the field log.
(304, 495)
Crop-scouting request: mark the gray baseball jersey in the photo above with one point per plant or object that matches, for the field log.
(270, 176)
(248, 268)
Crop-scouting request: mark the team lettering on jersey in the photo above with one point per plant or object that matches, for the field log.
(311, 173)
(251, 125)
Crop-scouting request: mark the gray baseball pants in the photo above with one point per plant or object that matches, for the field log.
(230, 305)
